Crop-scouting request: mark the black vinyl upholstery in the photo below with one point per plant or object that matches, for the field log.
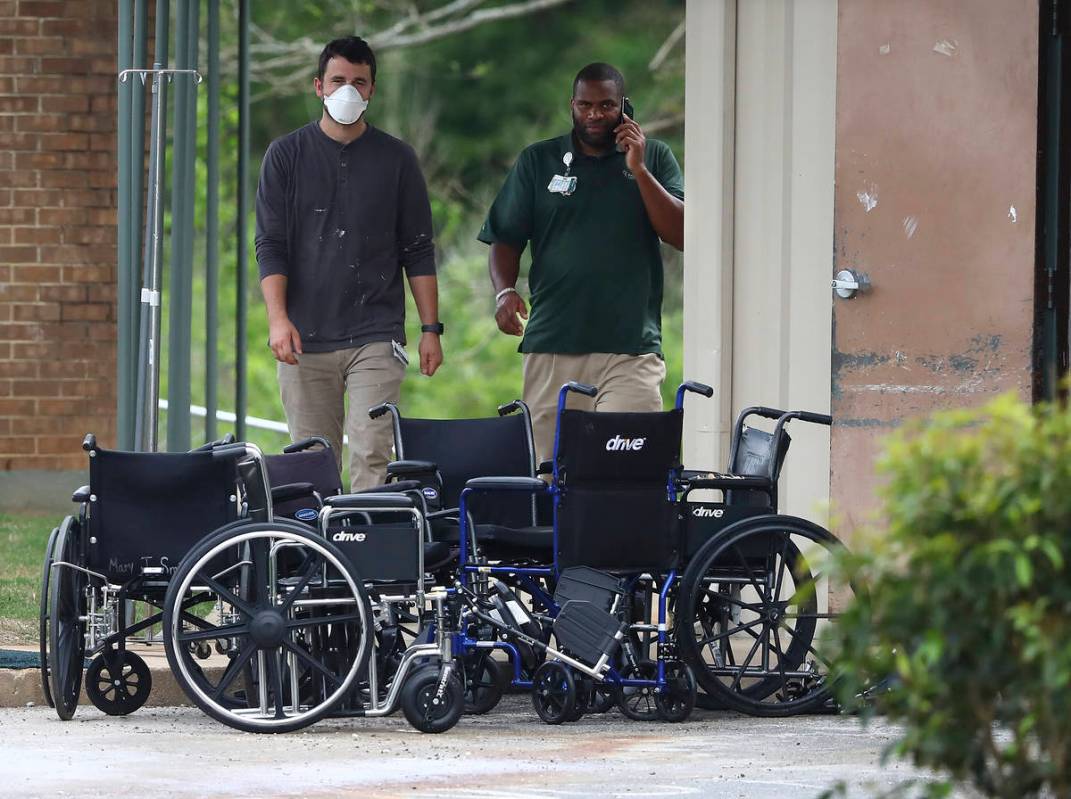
(149, 509)
(614, 512)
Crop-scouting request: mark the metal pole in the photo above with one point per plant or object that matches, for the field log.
(149, 324)
(137, 168)
(180, 284)
(126, 387)
(243, 213)
(212, 227)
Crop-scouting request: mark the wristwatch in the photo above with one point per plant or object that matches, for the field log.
(436, 328)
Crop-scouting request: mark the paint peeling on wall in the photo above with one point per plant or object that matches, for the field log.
(946, 47)
(1012, 214)
(884, 49)
(869, 197)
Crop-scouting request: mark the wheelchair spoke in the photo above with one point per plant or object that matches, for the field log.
(233, 669)
(779, 580)
(747, 571)
(780, 655)
(810, 648)
(208, 633)
(309, 660)
(743, 666)
(727, 633)
(227, 595)
(275, 667)
(306, 577)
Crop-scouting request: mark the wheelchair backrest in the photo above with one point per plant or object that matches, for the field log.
(150, 508)
(756, 453)
(316, 466)
(614, 510)
(499, 446)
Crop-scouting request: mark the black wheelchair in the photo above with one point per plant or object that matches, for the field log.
(441, 456)
(647, 592)
(297, 629)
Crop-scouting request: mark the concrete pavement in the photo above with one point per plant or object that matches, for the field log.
(180, 753)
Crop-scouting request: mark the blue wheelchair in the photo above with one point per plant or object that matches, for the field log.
(646, 594)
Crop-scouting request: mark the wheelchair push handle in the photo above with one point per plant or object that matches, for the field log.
(814, 418)
(510, 407)
(89, 443)
(306, 443)
(581, 388)
(695, 387)
(219, 442)
(378, 410)
(229, 451)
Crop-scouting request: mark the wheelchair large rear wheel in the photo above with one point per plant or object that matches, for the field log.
(754, 604)
(44, 615)
(66, 628)
(269, 595)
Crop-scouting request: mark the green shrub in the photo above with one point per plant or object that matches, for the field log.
(967, 607)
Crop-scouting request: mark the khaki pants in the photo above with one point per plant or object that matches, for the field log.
(625, 383)
(313, 394)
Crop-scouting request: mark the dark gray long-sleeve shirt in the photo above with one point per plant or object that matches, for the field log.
(342, 222)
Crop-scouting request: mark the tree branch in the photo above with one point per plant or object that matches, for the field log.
(667, 47)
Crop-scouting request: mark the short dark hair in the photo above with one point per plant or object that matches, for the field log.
(600, 72)
(353, 48)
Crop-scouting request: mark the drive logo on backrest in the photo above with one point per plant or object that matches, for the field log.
(618, 444)
(344, 536)
(708, 513)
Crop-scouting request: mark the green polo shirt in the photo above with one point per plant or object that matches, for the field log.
(596, 276)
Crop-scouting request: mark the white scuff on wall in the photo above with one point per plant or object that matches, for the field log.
(868, 197)
(1012, 214)
(946, 47)
(911, 224)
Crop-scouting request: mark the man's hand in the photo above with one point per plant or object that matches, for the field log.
(629, 135)
(511, 309)
(431, 353)
(284, 340)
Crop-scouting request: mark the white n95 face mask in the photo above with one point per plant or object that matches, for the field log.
(345, 105)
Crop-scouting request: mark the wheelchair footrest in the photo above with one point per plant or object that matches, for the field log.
(588, 585)
(587, 632)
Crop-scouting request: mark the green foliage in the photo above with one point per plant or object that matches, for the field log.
(468, 103)
(968, 603)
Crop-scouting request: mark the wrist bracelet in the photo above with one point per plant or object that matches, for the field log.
(503, 293)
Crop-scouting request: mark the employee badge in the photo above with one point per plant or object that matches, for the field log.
(563, 184)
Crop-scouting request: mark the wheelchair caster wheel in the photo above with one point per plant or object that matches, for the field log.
(120, 688)
(484, 684)
(430, 703)
(675, 704)
(554, 693)
(637, 702)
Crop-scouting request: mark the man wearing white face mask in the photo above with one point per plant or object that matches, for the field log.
(342, 213)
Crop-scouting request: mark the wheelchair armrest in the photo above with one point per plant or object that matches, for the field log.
(371, 500)
(397, 487)
(306, 443)
(81, 495)
(723, 482)
(506, 484)
(546, 467)
(291, 491)
(407, 468)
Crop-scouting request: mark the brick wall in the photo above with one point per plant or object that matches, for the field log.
(57, 229)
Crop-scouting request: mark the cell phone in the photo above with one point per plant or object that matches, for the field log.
(626, 110)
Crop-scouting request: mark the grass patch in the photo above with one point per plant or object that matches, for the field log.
(22, 551)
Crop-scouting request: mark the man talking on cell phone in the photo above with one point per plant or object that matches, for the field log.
(594, 204)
